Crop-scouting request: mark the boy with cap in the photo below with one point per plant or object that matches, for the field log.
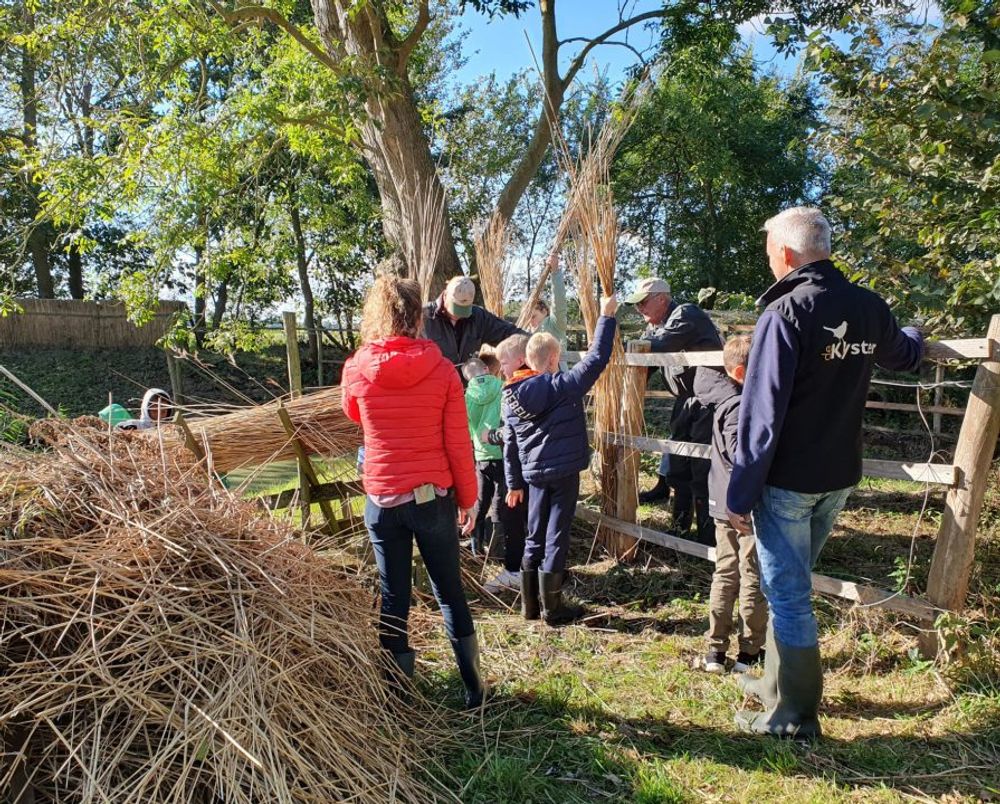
(459, 326)
(674, 327)
(545, 449)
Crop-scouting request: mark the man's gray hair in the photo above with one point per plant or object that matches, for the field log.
(805, 230)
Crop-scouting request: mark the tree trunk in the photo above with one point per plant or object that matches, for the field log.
(75, 267)
(221, 300)
(200, 291)
(309, 307)
(392, 135)
(38, 240)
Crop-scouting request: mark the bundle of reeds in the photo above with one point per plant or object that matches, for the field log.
(255, 435)
(164, 641)
(427, 220)
(491, 239)
(591, 207)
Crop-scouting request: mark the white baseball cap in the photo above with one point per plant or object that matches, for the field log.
(459, 295)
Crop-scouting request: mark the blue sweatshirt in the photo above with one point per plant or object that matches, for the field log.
(814, 349)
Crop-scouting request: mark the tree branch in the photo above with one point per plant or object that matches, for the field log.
(263, 14)
(407, 46)
(581, 57)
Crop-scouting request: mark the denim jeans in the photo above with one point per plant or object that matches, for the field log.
(551, 508)
(392, 531)
(791, 529)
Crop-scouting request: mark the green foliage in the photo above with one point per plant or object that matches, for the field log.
(716, 150)
(915, 134)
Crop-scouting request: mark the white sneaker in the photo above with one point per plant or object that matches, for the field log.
(506, 580)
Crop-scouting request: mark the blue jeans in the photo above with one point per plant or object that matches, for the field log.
(551, 508)
(791, 529)
(392, 531)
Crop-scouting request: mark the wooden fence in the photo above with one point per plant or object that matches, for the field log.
(965, 478)
(83, 324)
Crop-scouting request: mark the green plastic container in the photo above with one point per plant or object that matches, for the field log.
(114, 413)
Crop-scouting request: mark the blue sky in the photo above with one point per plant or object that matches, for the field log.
(501, 44)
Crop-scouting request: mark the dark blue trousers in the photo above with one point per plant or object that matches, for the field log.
(551, 507)
(392, 531)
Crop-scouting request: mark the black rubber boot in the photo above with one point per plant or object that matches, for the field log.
(530, 606)
(555, 610)
(705, 523)
(683, 512)
(795, 714)
(765, 688)
(476, 544)
(406, 662)
(467, 656)
(659, 493)
(495, 540)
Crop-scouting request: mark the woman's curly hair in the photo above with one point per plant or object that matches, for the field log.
(393, 307)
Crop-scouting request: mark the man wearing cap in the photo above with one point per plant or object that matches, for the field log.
(674, 327)
(460, 327)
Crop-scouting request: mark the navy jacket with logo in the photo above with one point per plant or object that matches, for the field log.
(545, 429)
(814, 349)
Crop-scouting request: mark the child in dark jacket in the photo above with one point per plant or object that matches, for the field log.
(737, 574)
(545, 449)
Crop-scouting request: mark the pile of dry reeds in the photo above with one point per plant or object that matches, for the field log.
(255, 435)
(491, 239)
(164, 641)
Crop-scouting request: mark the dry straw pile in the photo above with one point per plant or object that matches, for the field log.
(165, 642)
(491, 241)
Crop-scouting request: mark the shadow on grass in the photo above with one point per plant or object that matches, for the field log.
(543, 747)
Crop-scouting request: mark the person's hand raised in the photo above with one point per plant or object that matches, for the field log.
(609, 305)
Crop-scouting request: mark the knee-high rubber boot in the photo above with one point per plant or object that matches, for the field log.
(683, 512)
(800, 689)
(497, 540)
(555, 610)
(705, 523)
(467, 657)
(765, 688)
(530, 605)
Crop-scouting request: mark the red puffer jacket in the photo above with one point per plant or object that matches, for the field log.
(411, 406)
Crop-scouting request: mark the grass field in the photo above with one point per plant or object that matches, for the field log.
(613, 710)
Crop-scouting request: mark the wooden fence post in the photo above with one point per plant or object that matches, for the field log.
(632, 421)
(319, 353)
(292, 347)
(176, 384)
(954, 550)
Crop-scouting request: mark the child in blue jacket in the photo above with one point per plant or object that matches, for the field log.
(545, 449)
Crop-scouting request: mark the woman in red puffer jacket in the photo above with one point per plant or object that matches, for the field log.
(419, 474)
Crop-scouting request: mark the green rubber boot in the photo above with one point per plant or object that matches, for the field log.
(795, 713)
(765, 688)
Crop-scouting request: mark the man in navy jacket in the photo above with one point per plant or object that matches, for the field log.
(798, 453)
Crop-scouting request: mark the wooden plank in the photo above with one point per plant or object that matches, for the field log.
(955, 349)
(951, 566)
(937, 410)
(292, 351)
(938, 473)
(176, 378)
(871, 596)
(961, 349)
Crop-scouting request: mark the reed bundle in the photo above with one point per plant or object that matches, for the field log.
(165, 642)
(427, 221)
(491, 240)
(255, 435)
(591, 207)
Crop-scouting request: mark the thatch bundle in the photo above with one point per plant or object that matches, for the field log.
(164, 641)
(491, 239)
(255, 435)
